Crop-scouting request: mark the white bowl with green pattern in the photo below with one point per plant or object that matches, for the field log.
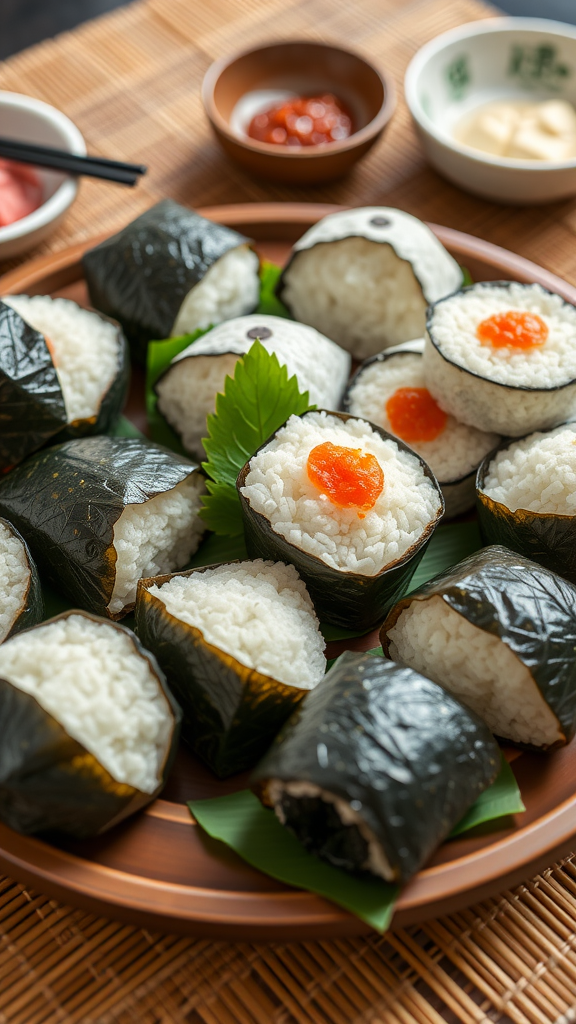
(477, 63)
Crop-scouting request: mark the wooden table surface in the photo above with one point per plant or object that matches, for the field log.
(131, 81)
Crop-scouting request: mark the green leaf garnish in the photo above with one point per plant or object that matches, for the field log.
(269, 302)
(257, 400)
(500, 800)
(240, 821)
(330, 632)
(215, 550)
(221, 510)
(124, 428)
(448, 545)
(256, 835)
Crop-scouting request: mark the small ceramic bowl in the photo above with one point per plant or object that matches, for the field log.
(527, 59)
(237, 87)
(31, 120)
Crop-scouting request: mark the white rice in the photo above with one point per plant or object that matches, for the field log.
(537, 474)
(477, 667)
(259, 612)
(155, 537)
(376, 861)
(187, 392)
(230, 287)
(277, 486)
(85, 349)
(486, 396)
(90, 677)
(14, 579)
(458, 449)
(367, 285)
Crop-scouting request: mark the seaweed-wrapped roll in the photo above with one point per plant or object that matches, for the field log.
(88, 728)
(527, 498)
(20, 594)
(499, 632)
(169, 272)
(101, 512)
(240, 646)
(346, 503)
(501, 356)
(376, 766)
(390, 389)
(32, 407)
(364, 278)
(90, 356)
(187, 390)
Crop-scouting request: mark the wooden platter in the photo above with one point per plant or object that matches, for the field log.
(158, 869)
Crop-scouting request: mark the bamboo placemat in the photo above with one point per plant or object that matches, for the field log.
(509, 959)
(130, 80)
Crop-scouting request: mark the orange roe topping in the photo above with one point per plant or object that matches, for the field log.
(303, 121)
(513, 329)
(350, 477)
(414, 415)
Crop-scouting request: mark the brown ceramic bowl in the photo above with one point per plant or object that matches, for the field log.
(233, 87)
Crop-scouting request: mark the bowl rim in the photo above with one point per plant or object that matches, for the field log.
(65, 194)
(366, 133)
(482, 27)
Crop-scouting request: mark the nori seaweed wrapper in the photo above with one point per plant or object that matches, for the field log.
(32, 408)
(343, 598)
(231, 712)
(545, 537)
(395, 747)
(142, 275)
(532, 610)
(66, 499)
(49, 781)
(31, 610)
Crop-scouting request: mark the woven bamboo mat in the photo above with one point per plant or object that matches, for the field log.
(509, 959)
(130, 80)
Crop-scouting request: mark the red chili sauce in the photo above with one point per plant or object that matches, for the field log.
(303, 121)
(20, 191)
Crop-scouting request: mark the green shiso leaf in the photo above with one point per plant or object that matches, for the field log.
(221, 510)
(124, 428)
(269, 303)
(330, 632)
(256, 835)
(467, 277)
(215, 550)
(500, 800)
(257, 400)
(449, 545)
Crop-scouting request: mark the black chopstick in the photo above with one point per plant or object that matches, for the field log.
(71, 163)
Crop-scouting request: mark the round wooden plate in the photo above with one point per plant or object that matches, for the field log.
(159, 869)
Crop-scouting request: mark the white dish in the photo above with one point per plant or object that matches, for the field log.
(31, 120)
(528, 59)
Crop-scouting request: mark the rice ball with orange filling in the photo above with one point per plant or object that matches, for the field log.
(501, 356)
(390, 390)
(346, 503)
